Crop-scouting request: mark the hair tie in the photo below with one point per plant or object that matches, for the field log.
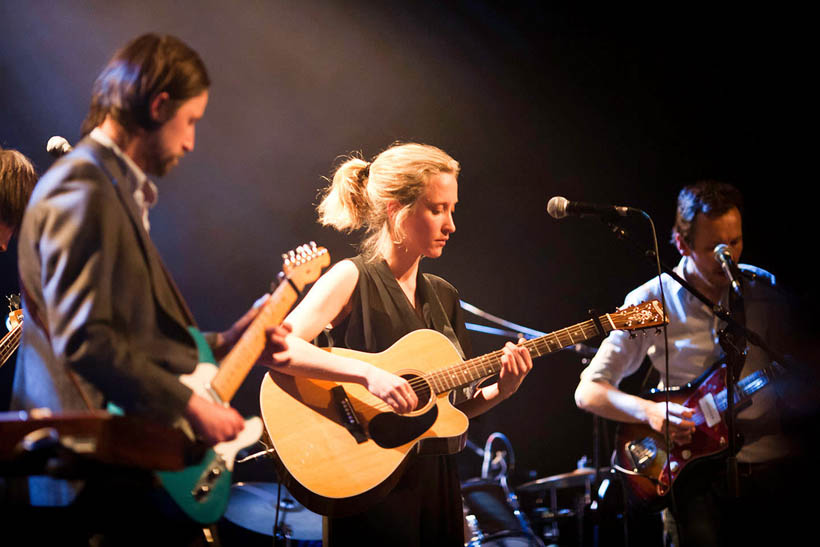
(364, 173)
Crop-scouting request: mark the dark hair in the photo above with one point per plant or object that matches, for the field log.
(708, 197)
(17, 179)
(144, 68)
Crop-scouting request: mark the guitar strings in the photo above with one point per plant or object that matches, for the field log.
(11, 344)
(480, 364)
(447, 375)
(476, 368)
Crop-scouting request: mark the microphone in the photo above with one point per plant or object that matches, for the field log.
(723, 254)
(560, 207)
(58, 146)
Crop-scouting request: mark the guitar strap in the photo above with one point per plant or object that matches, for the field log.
(438, 317)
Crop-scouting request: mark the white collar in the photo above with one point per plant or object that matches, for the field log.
(145, 192)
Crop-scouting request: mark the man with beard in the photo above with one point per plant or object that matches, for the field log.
(105, 323)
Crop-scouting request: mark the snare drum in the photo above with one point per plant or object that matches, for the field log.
(492, 517)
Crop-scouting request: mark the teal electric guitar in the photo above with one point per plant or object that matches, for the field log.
(201, 491)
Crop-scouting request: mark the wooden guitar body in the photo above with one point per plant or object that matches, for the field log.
(340, 448)
(641, 453)
(336, 467)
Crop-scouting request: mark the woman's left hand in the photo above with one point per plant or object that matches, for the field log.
(516, 363)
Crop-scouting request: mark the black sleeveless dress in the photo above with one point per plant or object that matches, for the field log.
(425, 507)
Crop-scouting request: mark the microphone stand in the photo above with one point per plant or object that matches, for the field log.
(732, 340)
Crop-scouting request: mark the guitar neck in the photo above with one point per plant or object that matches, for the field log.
(10, 342)
(747, 386)
(463, 374)
(237, 364)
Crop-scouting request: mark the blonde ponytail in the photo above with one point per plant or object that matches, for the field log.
(360, 192)
(344, 204)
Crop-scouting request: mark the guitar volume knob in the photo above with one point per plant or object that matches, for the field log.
(201, 491)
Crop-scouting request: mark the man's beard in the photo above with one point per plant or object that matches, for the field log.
(162, 166)
(158, 160)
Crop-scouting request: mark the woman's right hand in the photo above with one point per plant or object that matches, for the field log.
(393, 390)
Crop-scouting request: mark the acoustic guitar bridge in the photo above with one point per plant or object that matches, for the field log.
(347, 414)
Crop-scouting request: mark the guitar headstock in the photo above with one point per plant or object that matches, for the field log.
(304, 264)
(13, 301)
(641, 316)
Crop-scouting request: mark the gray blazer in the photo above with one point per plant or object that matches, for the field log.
(96, 296)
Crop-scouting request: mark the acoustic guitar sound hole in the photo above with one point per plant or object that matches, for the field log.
(421, 388)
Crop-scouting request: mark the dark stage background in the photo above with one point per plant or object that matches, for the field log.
(614, 106)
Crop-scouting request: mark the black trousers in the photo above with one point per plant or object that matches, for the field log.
(774, 504)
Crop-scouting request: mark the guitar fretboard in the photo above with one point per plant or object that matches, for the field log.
(10, 342)
(463, 374)
(235, 366)
(744, 388)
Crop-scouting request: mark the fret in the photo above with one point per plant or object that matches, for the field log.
(441, 387)
(432, 378)
(487, 369)
(435, 379)
(484, 366)
(452, 379)
(745, 388)
(557, 340)
(466, 374)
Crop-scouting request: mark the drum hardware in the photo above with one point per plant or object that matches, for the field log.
(491, 513)
(253, 506)
(492, 517)
(548, 514)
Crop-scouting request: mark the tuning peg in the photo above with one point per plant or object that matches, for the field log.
(632, 335)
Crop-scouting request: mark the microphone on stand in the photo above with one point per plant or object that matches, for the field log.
(58, 146)
(723, 254)
(560, 207)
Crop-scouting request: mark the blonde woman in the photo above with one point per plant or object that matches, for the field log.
(405, 200)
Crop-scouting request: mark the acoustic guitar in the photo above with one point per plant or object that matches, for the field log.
(340, 448)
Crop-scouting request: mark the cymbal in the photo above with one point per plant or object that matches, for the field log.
(579, 477)
(252, 505)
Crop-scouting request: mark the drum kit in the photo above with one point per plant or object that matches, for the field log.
(496, 516)
(531, 515)
(546, 511)
(492, 513)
